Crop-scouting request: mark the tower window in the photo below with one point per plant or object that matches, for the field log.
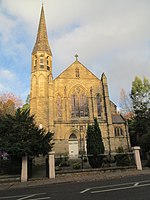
(48, 68)
(47, 61)
(42, 63)
(35, 62)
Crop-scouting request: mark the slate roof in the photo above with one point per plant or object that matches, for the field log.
(117, 119)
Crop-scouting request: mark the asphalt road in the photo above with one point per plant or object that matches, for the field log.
(131, 188)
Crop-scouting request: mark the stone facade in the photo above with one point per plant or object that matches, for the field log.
(67, 104)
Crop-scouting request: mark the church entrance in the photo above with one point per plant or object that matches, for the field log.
(73, 145)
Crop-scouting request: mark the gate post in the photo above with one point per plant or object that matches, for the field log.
(136, 150)
(51, 162)
(24, 169)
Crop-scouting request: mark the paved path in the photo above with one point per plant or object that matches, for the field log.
(77, 177)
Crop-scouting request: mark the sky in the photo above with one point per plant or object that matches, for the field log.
(110, 36)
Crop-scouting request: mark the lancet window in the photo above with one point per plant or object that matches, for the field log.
(79, 104)
(98, 105)
(59, 106)
(77, 73)
(41, 62)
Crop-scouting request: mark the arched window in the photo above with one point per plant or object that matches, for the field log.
(59, 106)
(72, 137)
(98, 105)
(41, 62)
(79, 104)
(47, 62)
(35, 62)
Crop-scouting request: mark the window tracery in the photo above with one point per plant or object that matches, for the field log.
(59, 106)
(79, 103)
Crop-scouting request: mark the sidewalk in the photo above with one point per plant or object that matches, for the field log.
(74, 177)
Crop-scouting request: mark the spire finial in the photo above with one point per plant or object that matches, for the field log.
(76, 56)
(41, 43)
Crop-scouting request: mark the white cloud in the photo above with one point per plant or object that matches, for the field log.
(109, 36)
(6, 74)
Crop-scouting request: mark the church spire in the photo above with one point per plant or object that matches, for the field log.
(41, 43)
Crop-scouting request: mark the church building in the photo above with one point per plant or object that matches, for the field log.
(67, 104)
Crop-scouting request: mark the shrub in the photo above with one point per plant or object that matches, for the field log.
(122, 159)
(95, 146)
(76, 165)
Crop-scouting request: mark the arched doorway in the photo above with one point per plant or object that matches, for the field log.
(73, 145)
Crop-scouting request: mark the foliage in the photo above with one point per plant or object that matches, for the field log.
(26, 106)
(145, 142)
(95, 146)
(140, 96)
(122, 159)
(62, 161)
(76, 165)
(8, 104)
(20, 136)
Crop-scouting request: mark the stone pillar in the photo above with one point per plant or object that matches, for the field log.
(51, 162)
(24, 169)
(137, 157)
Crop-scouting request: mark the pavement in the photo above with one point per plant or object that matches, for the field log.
(72, 177)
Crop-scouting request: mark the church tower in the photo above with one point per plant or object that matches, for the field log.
(41, 75)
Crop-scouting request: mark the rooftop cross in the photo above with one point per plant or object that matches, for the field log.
(76, 56)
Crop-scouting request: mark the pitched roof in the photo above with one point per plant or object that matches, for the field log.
(41, 43)
(67, 73)
(117, 119)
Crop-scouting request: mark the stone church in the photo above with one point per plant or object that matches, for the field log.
(67, 104)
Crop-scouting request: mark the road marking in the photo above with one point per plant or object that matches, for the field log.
(121, 188)
(41, 198)
(85, 190)
(113, 189)
(9, 197)
(26, 197)
(116, 186)
(136, 184)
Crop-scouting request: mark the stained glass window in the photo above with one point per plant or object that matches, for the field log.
(59, 106)
(79, 104)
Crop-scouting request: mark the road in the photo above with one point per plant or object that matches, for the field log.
(131, 188)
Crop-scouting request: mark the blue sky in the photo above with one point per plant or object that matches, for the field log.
(110, 36)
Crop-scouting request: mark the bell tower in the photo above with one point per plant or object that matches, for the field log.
(41, 75)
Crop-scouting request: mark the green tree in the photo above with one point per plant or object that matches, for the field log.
(26, 106)
(20, 136)
(140, 96)
(95, 146)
